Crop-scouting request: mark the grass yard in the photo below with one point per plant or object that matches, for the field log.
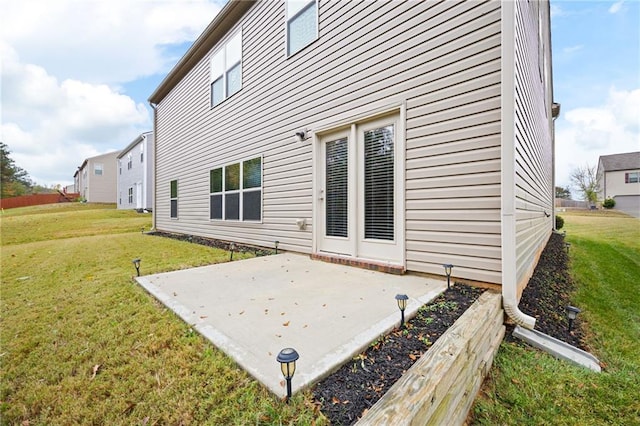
(527, 387)
(80, 343)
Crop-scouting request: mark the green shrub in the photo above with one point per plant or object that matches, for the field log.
(559, 222)
(609, 203)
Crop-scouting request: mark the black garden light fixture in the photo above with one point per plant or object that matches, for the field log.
(136, 263)
(567, 246)
(447, 270)
(402, 305)
(142, 230)
(276, 243)
(287, 359)
(572, 313)
(232, 248)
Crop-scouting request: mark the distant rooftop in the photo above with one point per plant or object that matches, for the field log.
(626, 161)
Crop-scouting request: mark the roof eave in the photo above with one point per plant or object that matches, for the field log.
(230, 14)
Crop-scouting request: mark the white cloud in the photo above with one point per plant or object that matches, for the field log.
(110, 42)
(572, 49)
(615, 8)
(584, 134)
(50, 126)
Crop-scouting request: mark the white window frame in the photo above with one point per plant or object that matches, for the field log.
(141, 153)
(291, 14)
(632, 177)
(130, 194)
(98, 167)
(129, 162)
(241, 191)
(219, 68)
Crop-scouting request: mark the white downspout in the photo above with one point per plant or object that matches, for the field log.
(508, 184)
(155, 174)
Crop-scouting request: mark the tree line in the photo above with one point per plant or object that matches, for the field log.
(14, 180)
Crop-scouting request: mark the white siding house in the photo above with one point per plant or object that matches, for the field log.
(95, 179)
(619, 178)
(402, 135)
(135, 174)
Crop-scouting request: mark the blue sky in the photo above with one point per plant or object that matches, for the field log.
(76, 76)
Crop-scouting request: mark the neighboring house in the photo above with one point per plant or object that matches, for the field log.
(401, 135)
(619, 178)
(95, 179)
(135, 174)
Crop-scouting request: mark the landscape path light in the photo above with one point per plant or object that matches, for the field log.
(232, 248)
(276, 244)
(447, 270)
(402, 305)
(287, 359)
(572, 313)
(136, 263)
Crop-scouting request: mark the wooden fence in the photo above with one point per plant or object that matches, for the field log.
(37, 199)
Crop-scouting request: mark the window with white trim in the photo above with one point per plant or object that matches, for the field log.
(236, 191)
(302, 24)
(632, 177)
(141, 153)
(226, 70)
(174, 199)
(98, 169)
(129, 162)
(130, 191)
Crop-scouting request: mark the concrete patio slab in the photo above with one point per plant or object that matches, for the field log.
(253, 308)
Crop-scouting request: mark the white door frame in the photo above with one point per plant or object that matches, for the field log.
(356, 247)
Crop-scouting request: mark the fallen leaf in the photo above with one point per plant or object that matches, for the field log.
(286, 324)
(413, 357)
(515, 381)
(203, 316)
(305, 326)
(95, 370)
(241, 312)
(175, 294)
(281, 383)
(278, 335)
(281, 313)
(324, 305)
(335, 400)
(145, 420)
(346, 401)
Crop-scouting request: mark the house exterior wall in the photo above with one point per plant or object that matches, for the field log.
(98, 188)
(138, 178)
(534, 186)
(614, 184)
(437, 64)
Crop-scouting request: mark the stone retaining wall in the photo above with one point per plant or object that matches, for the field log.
(441, 386)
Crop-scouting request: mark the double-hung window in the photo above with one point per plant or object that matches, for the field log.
(236, 191)
(632, 177)
(174, 199)
(302, 24)
(97, 169)
(130, 193)
(129, 162)
(226, 70)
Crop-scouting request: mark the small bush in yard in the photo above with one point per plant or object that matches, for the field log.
(559, 222)
(609, 203)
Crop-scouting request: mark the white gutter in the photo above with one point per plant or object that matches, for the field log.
(508, 168)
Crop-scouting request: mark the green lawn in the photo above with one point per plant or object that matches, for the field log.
(81, 343)
(527, 387)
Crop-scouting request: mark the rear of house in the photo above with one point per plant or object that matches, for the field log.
(135, 174)
(95, 179)
(399, 135)
(619, 178)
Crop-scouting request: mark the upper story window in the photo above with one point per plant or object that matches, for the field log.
(141, 153)
(97, 169)
(226, 70)
(129, 162)
(302, 24)
(632, 177)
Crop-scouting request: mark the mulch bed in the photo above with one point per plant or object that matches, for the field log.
(360, 383)
(212, 242)
(549, 293)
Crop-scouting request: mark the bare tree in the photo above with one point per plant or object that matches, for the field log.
(585, 181)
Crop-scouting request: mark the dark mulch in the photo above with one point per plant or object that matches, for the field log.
(212, 242)
(549, 293)
(357, 385)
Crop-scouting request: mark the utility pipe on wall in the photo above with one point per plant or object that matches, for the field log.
(508, 174)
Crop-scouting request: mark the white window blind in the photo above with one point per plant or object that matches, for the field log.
(379, 183)
(337, 179)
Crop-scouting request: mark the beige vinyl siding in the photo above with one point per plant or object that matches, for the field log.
(440, 59)
(533, 133)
